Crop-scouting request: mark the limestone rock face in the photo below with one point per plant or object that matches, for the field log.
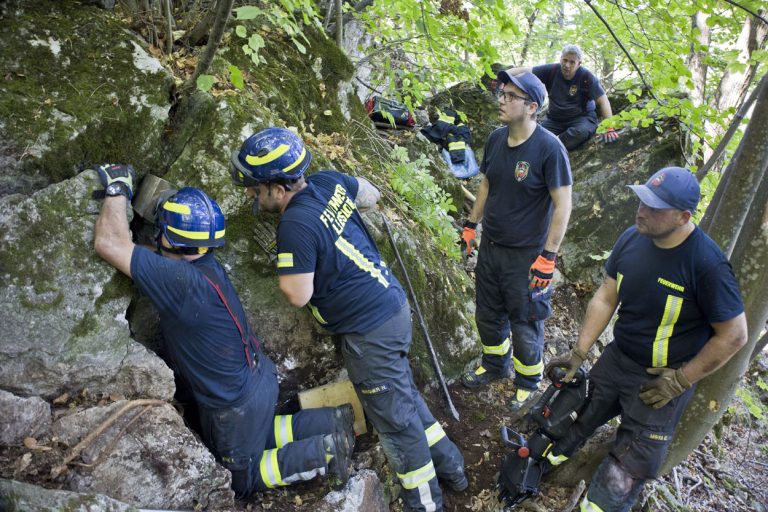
(66, 103)
(19, 497)
(62, 308)
(22, 417)
(158, 463)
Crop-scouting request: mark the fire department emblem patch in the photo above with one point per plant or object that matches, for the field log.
(521, 170)
(572, 91)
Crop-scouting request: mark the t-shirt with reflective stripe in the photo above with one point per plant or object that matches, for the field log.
(201, 339)
(519, 208)
(321, 231)
(670, 297)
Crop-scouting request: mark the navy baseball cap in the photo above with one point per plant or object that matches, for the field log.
(526, 82)
(671, 187)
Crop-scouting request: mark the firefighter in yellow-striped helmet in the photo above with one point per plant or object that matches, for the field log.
(191, 222)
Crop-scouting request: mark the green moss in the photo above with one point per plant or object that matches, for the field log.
(87, 325)
(42, 305)
(120, 286)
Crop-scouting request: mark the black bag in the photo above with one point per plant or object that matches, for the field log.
(382, 110)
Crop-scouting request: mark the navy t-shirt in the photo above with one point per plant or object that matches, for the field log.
(670, 297)
(518, 209)
(321, 231)
(200, 336)
(565, 96)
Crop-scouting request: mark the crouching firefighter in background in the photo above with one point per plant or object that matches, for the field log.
(554, 413)
(328, 261)
(681, 318)
(211, 346)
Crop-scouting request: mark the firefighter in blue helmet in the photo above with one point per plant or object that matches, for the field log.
(212, 348)
(328, 261)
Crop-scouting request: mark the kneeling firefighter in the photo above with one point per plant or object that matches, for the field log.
(555, 412)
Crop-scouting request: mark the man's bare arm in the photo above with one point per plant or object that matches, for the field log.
(367, 195)
(603, 107)
(599, 313)
(730, 336)
(298, 288)
(112, 238)
(479, 207)
(561, 199)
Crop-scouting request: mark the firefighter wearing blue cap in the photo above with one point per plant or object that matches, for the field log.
(210, 345)
(328, 261)
(681, 318)
(576, 98)
(524, 202)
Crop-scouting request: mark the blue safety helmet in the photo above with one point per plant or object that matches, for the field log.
(190, 218)
(269, 155)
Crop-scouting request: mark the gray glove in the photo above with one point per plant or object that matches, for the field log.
(570, 362)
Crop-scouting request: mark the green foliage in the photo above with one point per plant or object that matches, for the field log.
(430, 203)
(757, 409)
(279, 15)
(205, 82)
(236, 76)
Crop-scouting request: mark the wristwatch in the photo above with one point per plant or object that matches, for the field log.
(117, 188)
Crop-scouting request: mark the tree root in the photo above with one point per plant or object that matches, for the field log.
(94, 434)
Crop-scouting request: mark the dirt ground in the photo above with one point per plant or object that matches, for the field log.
(731, 475)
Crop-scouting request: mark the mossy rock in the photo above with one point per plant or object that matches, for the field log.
(78, 89)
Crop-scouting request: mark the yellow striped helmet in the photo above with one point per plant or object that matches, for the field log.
(190, 218)
(269, 155)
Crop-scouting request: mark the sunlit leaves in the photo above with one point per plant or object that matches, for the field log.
(205, 82)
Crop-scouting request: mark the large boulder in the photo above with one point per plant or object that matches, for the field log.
(21, 497)
(61, 307)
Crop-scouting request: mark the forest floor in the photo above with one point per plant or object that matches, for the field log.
(729, 473)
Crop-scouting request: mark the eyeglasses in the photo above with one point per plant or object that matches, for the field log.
(506, 97)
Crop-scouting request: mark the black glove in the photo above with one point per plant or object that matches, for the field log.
(570, 362)
(661, 390)
(113, 173)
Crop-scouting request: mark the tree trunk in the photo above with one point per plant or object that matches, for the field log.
(696, 57)
(734, 84)
(199, 32)
(223, 10)
(528, 36)
(750, 262)
(725, 221)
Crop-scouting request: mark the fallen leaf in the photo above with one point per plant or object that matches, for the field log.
(24, 462)
(61, 399)
(30, 442)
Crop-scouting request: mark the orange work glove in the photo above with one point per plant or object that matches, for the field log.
(468, 236)
(610, 136)
(543, 269)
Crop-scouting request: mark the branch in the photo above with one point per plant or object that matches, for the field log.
(735, 123)
(384, 47)
(615, 38)
(223, 10)
(747, 10)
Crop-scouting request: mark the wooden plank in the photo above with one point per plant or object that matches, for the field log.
(332, 395)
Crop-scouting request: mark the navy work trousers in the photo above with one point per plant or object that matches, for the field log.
(415, 444)
(573, 132)
(505, 310)
(642, 438)
(263, 450)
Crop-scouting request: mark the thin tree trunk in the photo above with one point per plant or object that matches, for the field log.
(738, 191)
(339, 23)
(528, 36)
(750, 262)
(223, 11)
(760, 345)
(199, 32)
(168, 26)
(734, 84)
(696, 56)
(735, 123)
